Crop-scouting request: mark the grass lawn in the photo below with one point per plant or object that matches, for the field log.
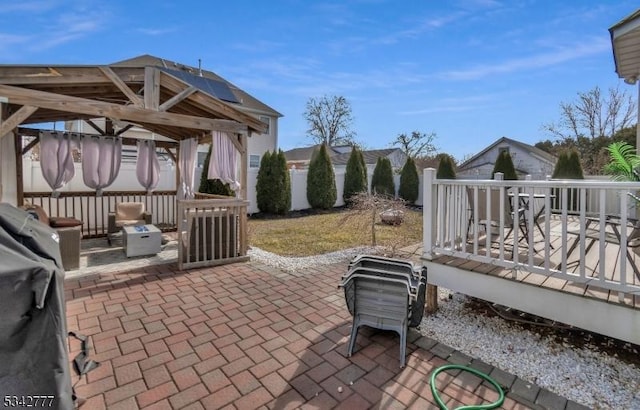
(330, 231)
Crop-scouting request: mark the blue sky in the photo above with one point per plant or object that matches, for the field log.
(470, 71)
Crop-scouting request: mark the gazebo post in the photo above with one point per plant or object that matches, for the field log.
(17, 138)
(243, 192)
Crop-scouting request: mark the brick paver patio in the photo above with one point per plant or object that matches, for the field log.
(250, 336)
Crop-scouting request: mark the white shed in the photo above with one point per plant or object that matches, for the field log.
(527, 160)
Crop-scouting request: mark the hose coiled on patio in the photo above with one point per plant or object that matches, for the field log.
(483, 376)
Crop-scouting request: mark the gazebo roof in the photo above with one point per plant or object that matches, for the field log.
(165, 101)
(625, 40)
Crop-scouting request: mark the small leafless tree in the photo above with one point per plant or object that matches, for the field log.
(594, 115)
(330, 120)
(369, 206)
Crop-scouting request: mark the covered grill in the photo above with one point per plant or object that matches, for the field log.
(33, 329)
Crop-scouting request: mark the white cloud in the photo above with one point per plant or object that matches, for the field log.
(589, 47)
(155, 31)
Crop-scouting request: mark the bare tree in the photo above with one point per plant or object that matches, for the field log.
(417, 145)
(330, 120)
(593, 115)
(368, 207)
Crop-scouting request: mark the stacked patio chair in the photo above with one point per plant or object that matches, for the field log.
(384, 293)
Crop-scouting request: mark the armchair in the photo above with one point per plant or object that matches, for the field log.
(127, 214)
(69, 234)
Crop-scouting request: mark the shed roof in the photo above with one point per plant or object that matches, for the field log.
(545, 156)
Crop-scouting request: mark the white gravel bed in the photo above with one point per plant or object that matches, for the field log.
(298, 264)
(584, 375)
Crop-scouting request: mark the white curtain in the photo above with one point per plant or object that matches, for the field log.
(148, 165)
(223, 162)
(187, 167)
(101, 158)
(56, 158)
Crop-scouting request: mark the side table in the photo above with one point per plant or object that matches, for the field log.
(141, 240)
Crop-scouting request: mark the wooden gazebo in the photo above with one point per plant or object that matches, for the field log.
(174, 103)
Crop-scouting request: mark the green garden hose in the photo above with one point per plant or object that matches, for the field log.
(483, 376)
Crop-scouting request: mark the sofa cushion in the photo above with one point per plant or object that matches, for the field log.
(129, 222)
(130, 211)
(64, 222)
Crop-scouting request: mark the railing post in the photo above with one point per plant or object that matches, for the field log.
(428, 213)
(429, 232)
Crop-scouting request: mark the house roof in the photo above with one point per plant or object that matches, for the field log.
(157, 99)
(197, 75)
(545, 156)
(370, 156)
(625, 41)
(305, 153)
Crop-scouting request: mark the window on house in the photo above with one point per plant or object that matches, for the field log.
(254, 161)
(503, 149)
(266, 120)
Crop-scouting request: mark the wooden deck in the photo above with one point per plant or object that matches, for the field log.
(592, 265)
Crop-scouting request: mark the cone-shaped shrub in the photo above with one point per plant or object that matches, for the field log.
(264, 185)
(355, 178)
(382, 179)
(504, 164)
(212, 186)
(446, 167)
(281, 183)
(409, 182)
(567, 167)
(321, 181)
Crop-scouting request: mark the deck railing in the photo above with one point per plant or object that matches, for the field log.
(93, 210)
(593, 219)
(211, 232)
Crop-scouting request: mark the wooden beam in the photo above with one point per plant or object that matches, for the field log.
(244, 234)
(31, 144)
(108, 126)
(34, 132)
(17, 138)
(159, 144)
(16, 119)
(95, 127)
(151, 88)
(132, 96)
(173, 157)
(125, 129)
(177, 98)
(129, 113)
(34, 75)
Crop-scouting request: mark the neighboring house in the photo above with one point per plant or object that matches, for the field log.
(218, 87)
(395, 155)
(300, 157)
(527, 160)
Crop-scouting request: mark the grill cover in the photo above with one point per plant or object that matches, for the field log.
(33, 330)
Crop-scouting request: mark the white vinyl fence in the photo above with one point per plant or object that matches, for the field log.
(127, 180)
